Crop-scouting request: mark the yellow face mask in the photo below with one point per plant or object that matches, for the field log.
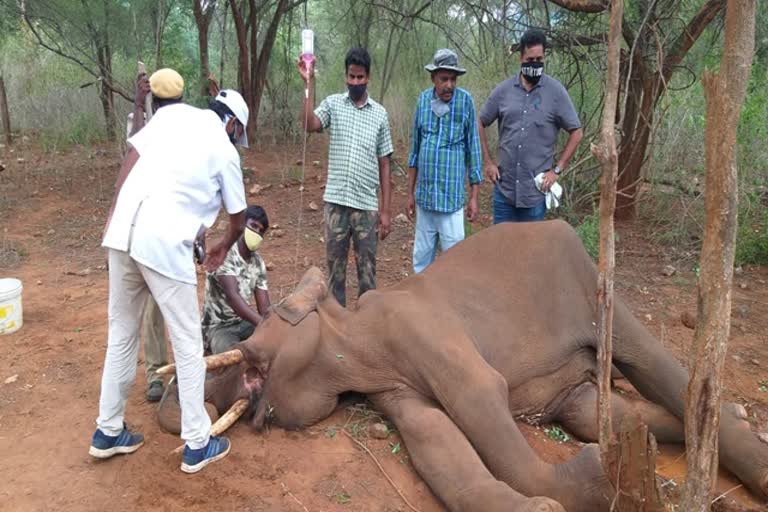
(252, 239)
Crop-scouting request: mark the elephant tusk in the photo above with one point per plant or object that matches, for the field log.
(228, 358)
(226, 421)
(230, 417)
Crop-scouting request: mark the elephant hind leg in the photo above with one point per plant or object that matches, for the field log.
(446, 460)
(659, 377)
(578, 414)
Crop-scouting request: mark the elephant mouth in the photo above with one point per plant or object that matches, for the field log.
(169, 411)
(251, 403)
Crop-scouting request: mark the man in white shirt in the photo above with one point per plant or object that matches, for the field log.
(179, 170)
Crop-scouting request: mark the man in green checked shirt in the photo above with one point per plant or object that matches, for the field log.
(445, 148)
(358, 167)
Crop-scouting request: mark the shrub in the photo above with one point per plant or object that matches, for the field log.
(589, 232)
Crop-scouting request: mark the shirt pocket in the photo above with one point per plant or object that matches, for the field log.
(366, 137)
(431, 127)
(545, 131)
(455, 126)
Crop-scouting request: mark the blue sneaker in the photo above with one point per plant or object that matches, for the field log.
(195, 460)
(104, 446)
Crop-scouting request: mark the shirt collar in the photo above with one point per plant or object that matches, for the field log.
(367, 100)
(518, 83)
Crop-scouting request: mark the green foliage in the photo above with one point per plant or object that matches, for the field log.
(752, 237)
(343, 498)
(82, 130)
(556, 433)
(589, 232)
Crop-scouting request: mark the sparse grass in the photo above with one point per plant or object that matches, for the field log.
(342, 498)
(556, 433)
(11, 254)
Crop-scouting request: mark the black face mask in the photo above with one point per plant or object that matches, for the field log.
(356, 92)
(532, 71)
(231, 134)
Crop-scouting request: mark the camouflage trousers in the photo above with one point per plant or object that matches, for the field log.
(343, 223)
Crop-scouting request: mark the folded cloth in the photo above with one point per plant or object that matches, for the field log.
(555, 192)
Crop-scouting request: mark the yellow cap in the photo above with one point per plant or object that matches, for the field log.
(166, 84)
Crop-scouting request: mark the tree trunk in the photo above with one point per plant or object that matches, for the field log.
(243, 75)
(605, 153)
(104, 58)
(223, 45)
(159, 34)
(646, 87)
(632, 468)
(641, 98)
(263, 62)
(724, 92)
(253, 64)
(4, 113)
(203, 22)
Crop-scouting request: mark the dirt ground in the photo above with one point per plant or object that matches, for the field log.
(52, 209)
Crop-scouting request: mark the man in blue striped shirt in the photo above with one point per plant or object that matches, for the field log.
(445, 148)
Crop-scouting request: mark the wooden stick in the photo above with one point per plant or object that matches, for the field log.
(726, 493)
(361, 445)
(289, 493)
(148, 98)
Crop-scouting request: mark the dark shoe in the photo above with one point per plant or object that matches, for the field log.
(155, 391)
(195, 460)
(104, 446)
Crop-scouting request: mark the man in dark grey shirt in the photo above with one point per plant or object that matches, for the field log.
(531, 108)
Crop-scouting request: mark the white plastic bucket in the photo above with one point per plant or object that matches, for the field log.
(10, 305)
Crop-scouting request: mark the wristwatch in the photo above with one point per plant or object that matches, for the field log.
(557, 170)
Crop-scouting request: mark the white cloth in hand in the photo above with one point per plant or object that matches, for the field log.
(553, 195)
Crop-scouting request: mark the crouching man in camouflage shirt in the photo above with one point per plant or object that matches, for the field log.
(228, 318)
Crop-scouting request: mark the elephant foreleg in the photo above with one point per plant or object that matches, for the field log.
(479, 407)
(578, 414)
(446, 460)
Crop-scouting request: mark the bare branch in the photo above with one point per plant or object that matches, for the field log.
(582, 5)
(708, 12)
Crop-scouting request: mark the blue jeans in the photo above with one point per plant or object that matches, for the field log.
(431, 227)
(505, 212)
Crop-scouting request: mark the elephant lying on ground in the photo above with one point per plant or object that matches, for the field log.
(500, 326)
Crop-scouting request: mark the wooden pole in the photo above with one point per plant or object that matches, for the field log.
(5, 114)
(148, 100)
(724, 92)
(628, 460)
(605, 152)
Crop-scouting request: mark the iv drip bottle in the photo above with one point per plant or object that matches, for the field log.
(307, 46)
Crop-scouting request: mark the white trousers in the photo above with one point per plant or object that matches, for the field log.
(431, 227)
(129, 285)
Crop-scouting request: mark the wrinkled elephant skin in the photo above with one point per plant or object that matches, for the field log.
(500, 326)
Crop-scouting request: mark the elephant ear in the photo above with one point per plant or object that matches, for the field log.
(312, 289)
